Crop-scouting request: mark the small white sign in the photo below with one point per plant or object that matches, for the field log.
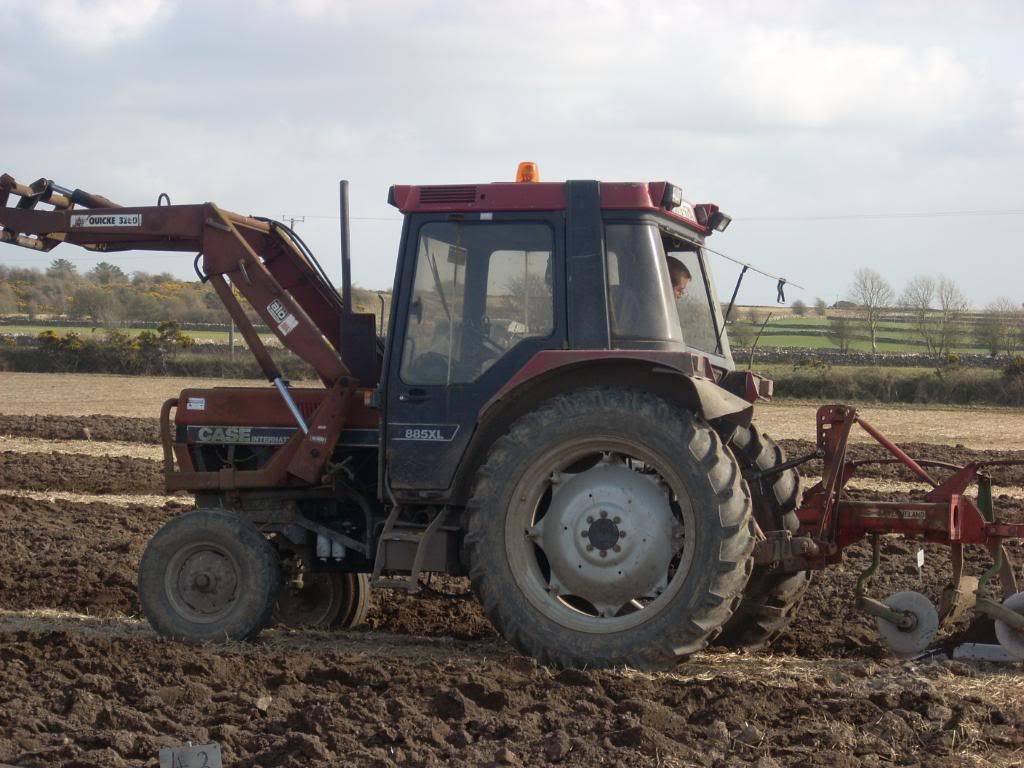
(206, 756)
(287, 325)
(106, 220)
(277, 310)
(196, 404)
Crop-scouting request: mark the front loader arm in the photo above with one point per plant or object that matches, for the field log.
(253, 256)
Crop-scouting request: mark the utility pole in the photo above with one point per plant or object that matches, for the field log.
(292, 219)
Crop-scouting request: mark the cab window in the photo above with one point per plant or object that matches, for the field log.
(479, 290)
(696, 305)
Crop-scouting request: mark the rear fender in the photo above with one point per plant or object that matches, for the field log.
(697, 394)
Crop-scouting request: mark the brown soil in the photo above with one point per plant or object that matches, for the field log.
(92, 693)
(83, 394)
(77, 472)
(428, 682)
(74, 557)
(976, 427)
(127, 429)
(76, 693)
(952, 454)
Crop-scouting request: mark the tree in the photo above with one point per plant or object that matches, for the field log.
(93, 302)
(530, 297)
(107, 274)
(8, 300)
(820, 305)
(952, 306)
(1001, 327)
(799, 308)
(62, 269)
(872, 295)
(741, 334)
(917, 298)
(841, 332)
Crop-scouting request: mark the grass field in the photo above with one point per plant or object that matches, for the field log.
(86, 330)
(790, 331)
(810, 332)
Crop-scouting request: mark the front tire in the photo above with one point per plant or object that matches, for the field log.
(208, 576)
(608, 528)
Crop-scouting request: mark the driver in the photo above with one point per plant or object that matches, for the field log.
(680, 276)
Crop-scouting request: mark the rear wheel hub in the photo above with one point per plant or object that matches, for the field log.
(609, 536)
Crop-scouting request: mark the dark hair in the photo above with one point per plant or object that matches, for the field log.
(677, 270)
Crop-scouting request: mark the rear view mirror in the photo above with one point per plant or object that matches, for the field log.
(457, 255)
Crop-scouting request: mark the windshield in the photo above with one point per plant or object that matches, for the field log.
(639, 290)
(660, 290)
(697, 306)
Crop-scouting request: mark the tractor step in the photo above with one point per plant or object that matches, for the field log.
(395, 532)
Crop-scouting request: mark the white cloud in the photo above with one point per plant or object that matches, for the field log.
(97, 24)
(1017, 114)
(801, 79)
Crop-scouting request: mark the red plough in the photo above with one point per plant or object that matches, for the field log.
(829, 522)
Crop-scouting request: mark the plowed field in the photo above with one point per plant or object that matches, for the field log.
(84, 682)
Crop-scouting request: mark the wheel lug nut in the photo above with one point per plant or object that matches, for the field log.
(617, 548)
(590, 519)
(603, 513)
(590, 547)
(604, 553)
(622, 534)
(583, 534)
(616, 519)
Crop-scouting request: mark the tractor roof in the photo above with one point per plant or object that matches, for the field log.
(655, 196)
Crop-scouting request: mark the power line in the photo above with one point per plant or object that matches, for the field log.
(855, 216)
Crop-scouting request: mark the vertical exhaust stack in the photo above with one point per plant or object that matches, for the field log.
(346, 249)
(358, 330)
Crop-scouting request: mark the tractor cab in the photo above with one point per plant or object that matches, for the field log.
(505, 287)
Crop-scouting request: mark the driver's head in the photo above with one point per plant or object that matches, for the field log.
(680, 276)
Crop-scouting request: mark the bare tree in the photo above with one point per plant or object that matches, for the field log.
(872, 294)
(841, 332)
(918, 298)
(952, 306)
(820, 305)
(1001, 328)
(8, 300)
(799, 308)
(740, 333)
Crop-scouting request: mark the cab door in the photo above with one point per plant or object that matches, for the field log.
(479, 299)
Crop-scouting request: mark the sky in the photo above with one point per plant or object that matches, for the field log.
(887, 135)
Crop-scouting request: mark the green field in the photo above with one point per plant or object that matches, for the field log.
(86, 330)
(810, 332)
(807, 332)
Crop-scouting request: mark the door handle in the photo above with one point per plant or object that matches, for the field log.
(413, 396)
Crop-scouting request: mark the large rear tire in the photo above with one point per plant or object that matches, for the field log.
(208, 576)
(771, 600)
(609, 528)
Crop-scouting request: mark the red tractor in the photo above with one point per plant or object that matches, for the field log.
(541, 414)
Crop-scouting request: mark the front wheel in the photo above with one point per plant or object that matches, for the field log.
(208, 576)
(607, 528)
